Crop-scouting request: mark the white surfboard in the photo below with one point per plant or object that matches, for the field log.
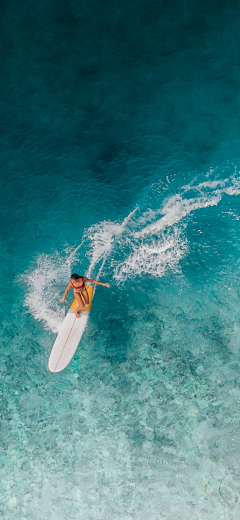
(69, 336)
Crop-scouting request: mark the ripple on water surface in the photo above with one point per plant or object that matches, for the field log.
(113, 111)
(144, 421)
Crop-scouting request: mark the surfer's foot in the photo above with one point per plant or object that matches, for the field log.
(77, 315)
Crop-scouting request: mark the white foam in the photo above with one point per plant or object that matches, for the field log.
(132, 253)
(45, 283)
(102, 237)
(175, 210)
(178, 207)
(43, 297)
(154, 258)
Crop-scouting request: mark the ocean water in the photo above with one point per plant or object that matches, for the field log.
(120, 158)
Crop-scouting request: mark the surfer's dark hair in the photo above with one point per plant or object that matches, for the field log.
(75, 276)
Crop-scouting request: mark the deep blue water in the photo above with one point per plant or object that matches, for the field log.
(120, 157)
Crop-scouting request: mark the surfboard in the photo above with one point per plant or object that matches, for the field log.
(69, 336)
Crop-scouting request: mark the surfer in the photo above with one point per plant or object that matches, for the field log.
(77, 282)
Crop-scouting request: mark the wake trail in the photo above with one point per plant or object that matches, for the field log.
(72, 256)
(43, 293)
(177, 207)
(160, 245)
(155, 248)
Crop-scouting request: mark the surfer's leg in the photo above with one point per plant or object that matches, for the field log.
(80, 306)
(84, 293)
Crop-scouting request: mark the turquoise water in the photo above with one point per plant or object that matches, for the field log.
(120, 158)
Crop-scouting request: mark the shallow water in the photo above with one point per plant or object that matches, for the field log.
(120, 159)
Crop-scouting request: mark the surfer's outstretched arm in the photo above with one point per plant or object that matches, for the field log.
(65, 293)
(95, 282)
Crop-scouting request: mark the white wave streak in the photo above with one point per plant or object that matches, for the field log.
(141, 252)
(47, 281)
(72, 256)
(175, 210)
(43, 297)
(102, 237)
(177, 207)
(155, 258)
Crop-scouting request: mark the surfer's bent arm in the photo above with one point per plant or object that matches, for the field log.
(95, 282)
(65, 293)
